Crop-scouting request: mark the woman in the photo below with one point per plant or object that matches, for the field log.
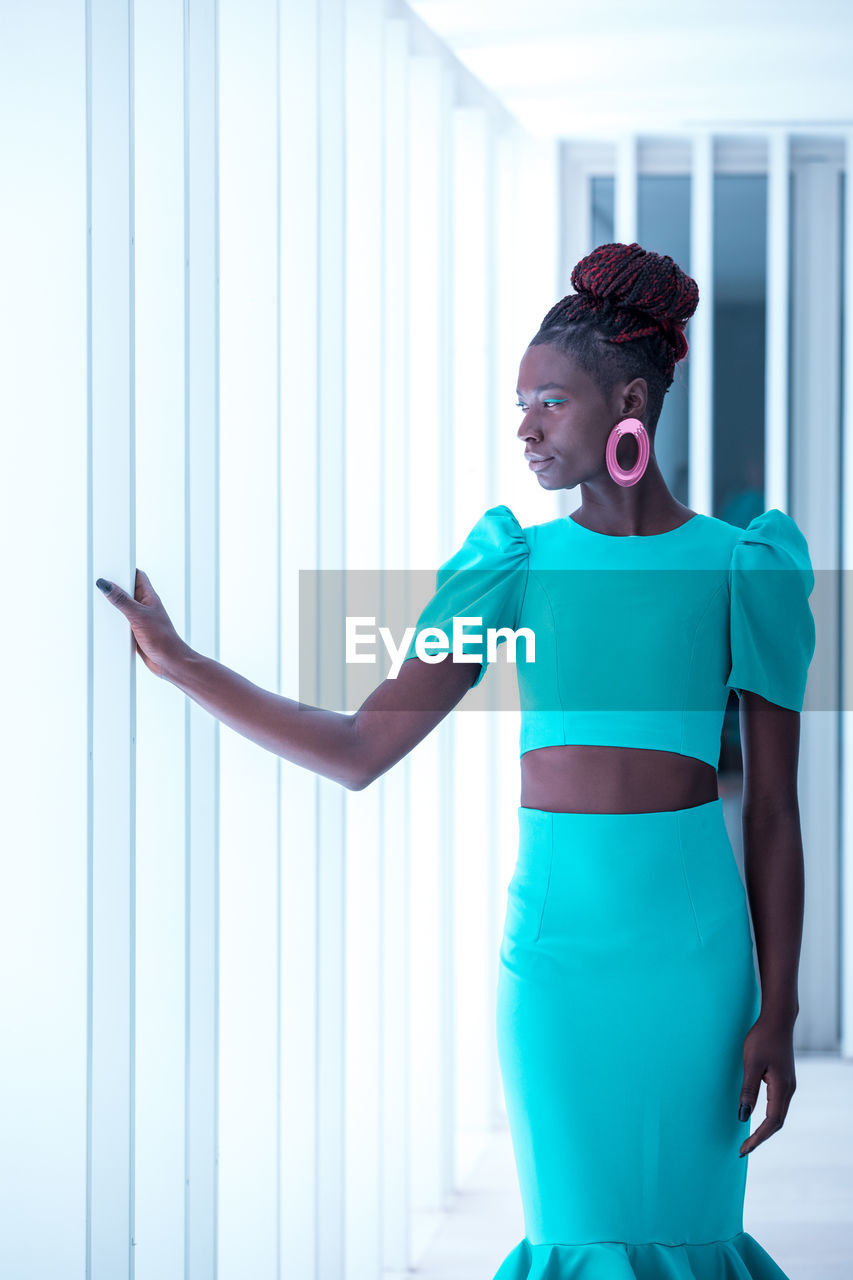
(632, 1035)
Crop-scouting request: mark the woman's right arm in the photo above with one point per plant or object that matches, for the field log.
(353, 749)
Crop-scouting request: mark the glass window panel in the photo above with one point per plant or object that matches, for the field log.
(843, 196)
(740, 287)
(663, 226)
(602, 218)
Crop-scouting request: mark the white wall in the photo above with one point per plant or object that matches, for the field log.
(262, 295)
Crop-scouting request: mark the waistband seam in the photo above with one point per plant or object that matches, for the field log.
(669, 814)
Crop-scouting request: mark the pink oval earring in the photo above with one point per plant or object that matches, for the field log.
(636, 429)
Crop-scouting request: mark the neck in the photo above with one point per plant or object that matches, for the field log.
(644, 507)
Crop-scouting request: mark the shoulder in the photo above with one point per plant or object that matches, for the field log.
(495, 540)
(500, 526)
(772, 628)
(771, 540)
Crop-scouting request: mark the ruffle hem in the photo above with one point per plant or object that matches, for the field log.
(740, 1257)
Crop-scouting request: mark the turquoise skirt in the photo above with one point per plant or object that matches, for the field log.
(626, 987)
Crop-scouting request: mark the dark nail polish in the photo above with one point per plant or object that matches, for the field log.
(103, 585)
(743, 1111)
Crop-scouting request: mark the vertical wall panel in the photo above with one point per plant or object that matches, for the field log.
(300, 485)
(777, 329)
(587, 202)
(701, 327)
(248, 619)
(201, 352)
(328, 459)
(395, 451)
(575, 215)
(161, 530)
(447, 86)
(846, 635)
(363, 482)
(50, 604)
(816, 295)
(112, 869)
(625, 231)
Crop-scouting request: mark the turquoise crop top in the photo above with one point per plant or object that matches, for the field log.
(637, 639)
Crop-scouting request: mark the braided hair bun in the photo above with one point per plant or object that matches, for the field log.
(628, 293)
(649, 288)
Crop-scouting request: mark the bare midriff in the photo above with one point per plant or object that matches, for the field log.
(581, 778)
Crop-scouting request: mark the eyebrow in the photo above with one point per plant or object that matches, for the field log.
(549, 386)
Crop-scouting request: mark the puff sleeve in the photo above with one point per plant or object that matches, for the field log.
(485, 578)
(772, 629)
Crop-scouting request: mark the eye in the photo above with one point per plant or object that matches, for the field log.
(520, 405)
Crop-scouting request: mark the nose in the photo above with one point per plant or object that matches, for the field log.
(527, 430)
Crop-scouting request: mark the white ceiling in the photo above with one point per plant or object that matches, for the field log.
(603, 67)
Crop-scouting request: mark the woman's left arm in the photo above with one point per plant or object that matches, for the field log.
(775, 876)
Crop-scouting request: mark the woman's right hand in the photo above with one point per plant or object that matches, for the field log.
(154, 636)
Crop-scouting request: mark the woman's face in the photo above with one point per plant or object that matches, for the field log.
(567, 419)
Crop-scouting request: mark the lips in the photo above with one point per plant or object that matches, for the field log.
(536, 463)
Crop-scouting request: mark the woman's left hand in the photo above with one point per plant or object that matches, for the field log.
(768, 1055)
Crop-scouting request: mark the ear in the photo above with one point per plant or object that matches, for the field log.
(634, 398)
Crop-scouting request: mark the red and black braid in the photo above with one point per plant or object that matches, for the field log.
(628, 293)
